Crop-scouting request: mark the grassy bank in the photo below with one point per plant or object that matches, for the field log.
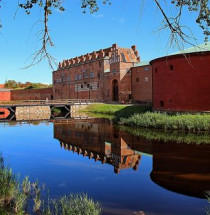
(26, 198)
(188, 122)
(116, 111)
(139, 116)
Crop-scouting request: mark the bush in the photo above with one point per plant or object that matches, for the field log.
(74, 204)
(189, 122)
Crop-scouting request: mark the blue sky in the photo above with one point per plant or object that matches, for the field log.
(75, 33)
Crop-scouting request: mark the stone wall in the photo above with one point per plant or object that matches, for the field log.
(75, 110)
(33, 113)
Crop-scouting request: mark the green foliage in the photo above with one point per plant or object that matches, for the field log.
(11, 84)
(74, 204)
(56, 111)
(189, 122)
(28, 85)
(15, 198)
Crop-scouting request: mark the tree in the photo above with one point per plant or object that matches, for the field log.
(179, 33)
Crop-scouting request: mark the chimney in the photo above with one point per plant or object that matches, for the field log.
(134, 48)
(101, 53)
(115, 46)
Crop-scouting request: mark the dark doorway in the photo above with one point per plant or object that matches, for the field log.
(115, 90)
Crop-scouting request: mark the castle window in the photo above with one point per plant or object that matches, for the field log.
(91, 75)
(88, 85)
(98, 85)
(76, 77)
(146, 79)
(137, 79)
(114, 71)
(98, 76)
(171, 67)
(81, 85)
(86, 75)
(80, 77)
(161, 103)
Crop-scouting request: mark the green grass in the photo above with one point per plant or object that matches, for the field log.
(74, 204)
(56, 111)
(26, 198)
(115, 111)
(189, 122)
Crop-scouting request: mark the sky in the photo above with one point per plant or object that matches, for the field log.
(125, 22)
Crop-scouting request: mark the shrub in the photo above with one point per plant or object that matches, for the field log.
(189, 122)
(74, 204)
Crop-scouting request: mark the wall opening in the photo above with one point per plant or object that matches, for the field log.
(115, 90)
(161, 103)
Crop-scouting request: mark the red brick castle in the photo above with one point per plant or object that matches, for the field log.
(111, 74)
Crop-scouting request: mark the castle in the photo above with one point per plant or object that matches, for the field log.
(111, 74)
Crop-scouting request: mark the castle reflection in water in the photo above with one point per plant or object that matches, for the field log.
(179, 167)
(99, 141)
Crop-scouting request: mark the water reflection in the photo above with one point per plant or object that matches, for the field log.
(30, 149)
(183, 168)
(99, 141)
(179, 167)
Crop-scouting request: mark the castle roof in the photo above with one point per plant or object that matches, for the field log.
(126, 54)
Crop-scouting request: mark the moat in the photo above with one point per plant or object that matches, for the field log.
(125, 173)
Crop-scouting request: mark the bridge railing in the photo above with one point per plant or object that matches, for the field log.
(47, 102)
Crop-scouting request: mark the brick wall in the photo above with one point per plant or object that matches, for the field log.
(142, 83)
(5, 95)
(181, 84)
(32, 94)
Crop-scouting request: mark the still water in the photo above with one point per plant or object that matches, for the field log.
(125, 173)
